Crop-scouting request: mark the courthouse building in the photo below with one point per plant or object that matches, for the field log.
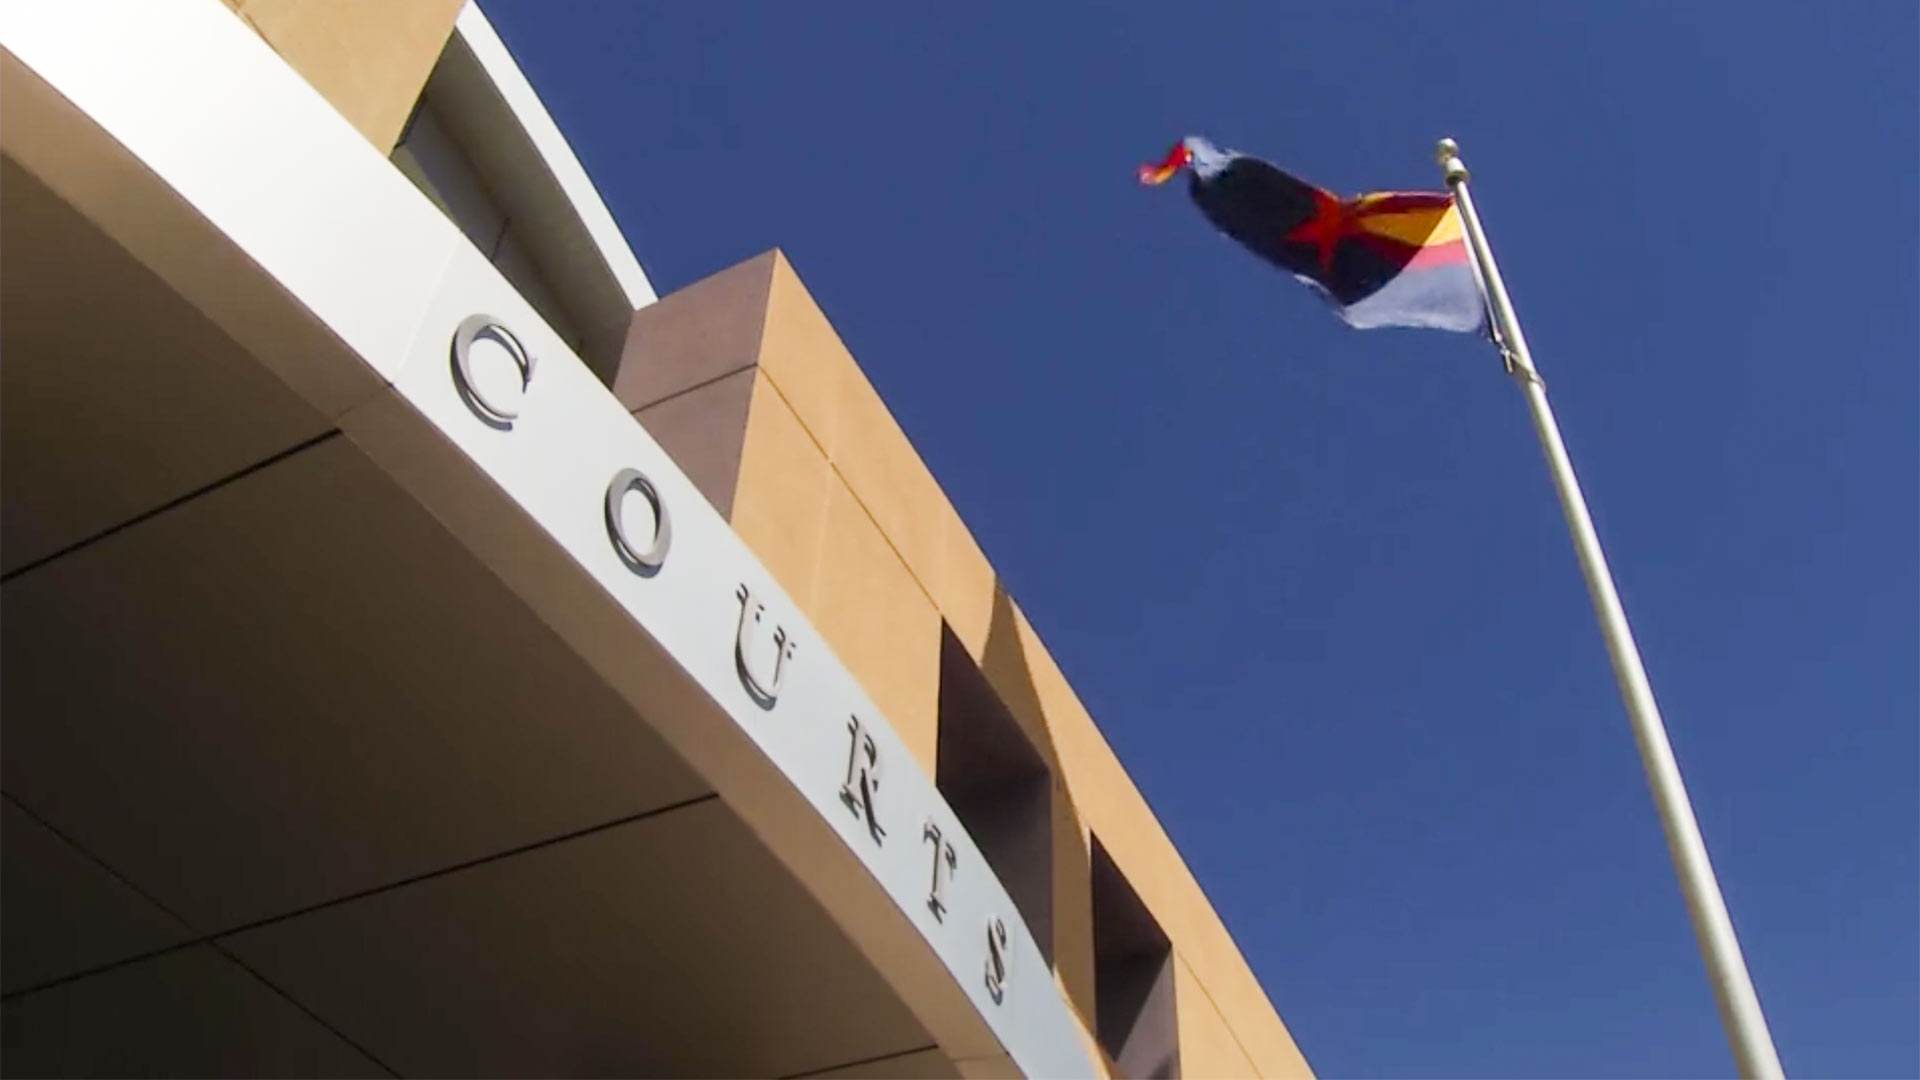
(428, 652)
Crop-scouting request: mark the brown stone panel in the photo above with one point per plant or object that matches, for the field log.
(704, 429)
(368, 57)
(880, 623)
(707, 330)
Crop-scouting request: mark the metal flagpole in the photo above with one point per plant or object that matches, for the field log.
(1753, 1051)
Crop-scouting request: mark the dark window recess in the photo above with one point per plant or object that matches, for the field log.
(999, 786)
(1132, 979)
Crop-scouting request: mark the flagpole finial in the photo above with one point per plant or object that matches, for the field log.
(1448, 154)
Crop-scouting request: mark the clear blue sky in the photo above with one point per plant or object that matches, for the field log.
(1312, 581)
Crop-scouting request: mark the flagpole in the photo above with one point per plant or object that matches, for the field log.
(1746, 1026)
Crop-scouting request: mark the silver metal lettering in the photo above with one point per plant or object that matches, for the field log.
(945, 862)
(762, 674)
(491, 411)
(999, 958)
(646, 558)
(861, 788)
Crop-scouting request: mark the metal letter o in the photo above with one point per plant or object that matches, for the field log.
(643, 559)
(493, 413)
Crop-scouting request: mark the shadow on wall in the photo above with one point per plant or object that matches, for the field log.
(1002, 769)
(1004, 661)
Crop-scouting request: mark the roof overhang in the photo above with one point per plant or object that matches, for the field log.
(485, 100)
(354, 307)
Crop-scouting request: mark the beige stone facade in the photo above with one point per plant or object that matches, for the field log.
(743, 378)
(369, 57)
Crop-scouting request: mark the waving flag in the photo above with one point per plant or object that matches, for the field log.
(1387, 259)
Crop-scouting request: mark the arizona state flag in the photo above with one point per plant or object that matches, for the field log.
(1386, 259)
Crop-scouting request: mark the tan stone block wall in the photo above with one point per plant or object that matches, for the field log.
(879, 622)
(964, 586)
(782, 494)
(1208, 1048)
(1103, 1064)
(802, 354)
(826, 389)
(879, 465)
(370, 58)
(1073, 909)
(886, 548)
(1105, 801)
(832, 496)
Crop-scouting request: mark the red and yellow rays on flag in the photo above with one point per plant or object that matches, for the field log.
(1385, 259)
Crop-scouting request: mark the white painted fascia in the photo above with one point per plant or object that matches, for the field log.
(186, 139)
(479, 36)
